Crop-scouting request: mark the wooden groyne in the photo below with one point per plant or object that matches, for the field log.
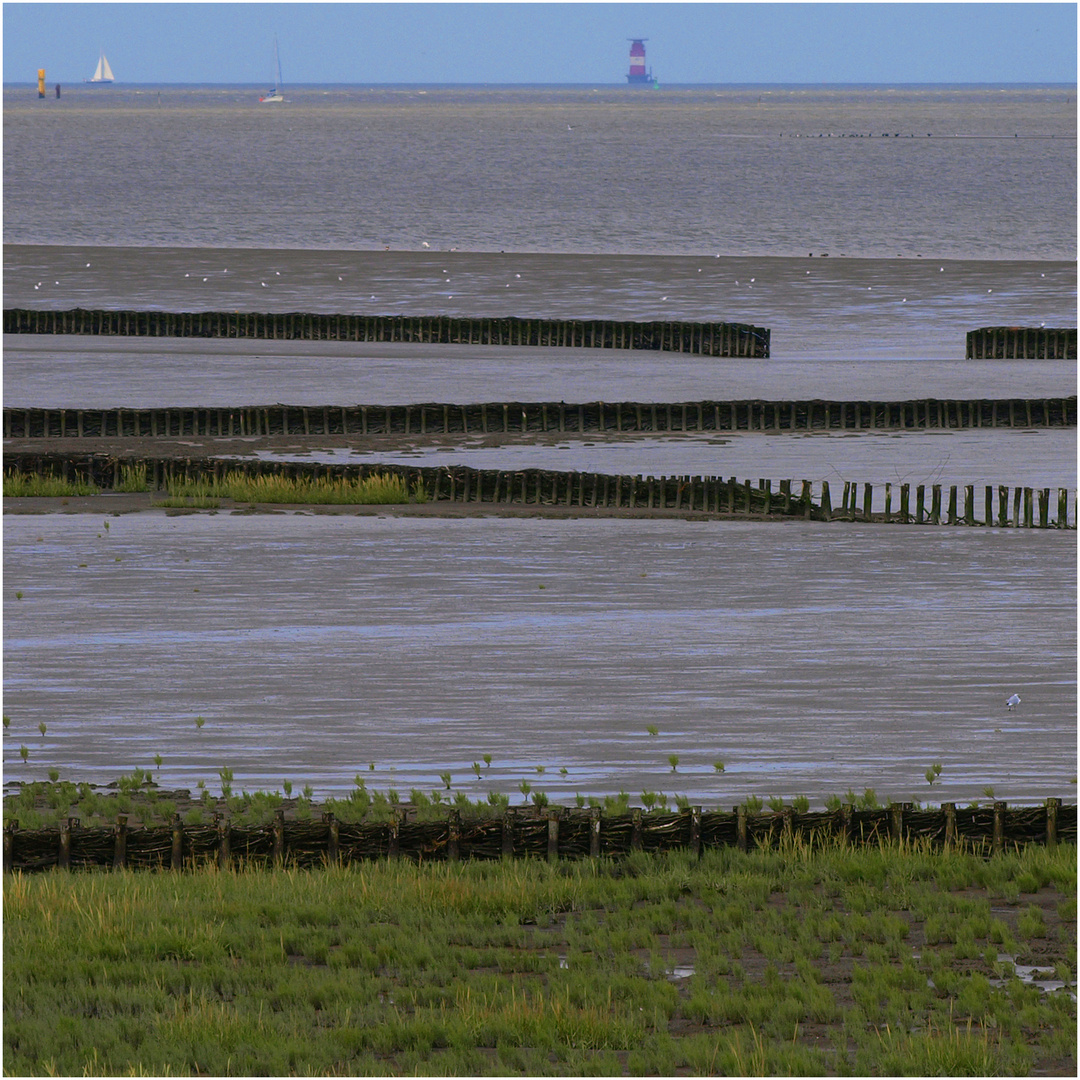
(936, 504)
(703, 338)
(549, 833)
(1021, 343)
(531, 417)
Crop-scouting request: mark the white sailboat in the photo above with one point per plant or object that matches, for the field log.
(103, 73)
(275, 93)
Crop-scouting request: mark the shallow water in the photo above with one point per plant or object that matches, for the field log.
(807, 658)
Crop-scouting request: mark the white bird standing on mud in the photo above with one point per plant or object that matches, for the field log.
(1013, 702)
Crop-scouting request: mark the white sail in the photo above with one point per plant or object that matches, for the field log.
(275, 94)
(103, 73)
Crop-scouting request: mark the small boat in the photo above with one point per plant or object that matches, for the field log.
(274, 94)
(103, 73)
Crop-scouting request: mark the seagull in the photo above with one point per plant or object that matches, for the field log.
(1013, 702)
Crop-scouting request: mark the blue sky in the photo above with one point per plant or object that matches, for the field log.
(543, 42)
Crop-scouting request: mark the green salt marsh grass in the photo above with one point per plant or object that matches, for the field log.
(801, 961)
(377, 489)
(26, 485)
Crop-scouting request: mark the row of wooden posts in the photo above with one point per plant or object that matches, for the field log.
(1021, 343)
(702, 338)
(539, 418)
(553, 833)
(1020, 507)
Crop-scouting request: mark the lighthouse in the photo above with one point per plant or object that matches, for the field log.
(637, 75)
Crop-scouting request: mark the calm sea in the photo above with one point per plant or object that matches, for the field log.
(940, 172)
(869, 227)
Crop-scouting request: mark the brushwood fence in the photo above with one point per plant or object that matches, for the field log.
(551, 833)
(1021, 343)
(722, 339)
(533, 417)
(936, 504)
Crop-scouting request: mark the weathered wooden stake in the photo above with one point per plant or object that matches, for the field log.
(64, 857)
(553, 836)
(333, 837)
(950, 823)
(224, 855)
(393, 834)
(635, 829)
(9, 845)
(453, 839)
(695, 832)
(741, 837)
(999, 827)
(120, 842)
(177, 860)
(279, 837)
(507, 835)
(896, 821)
(1052, 808)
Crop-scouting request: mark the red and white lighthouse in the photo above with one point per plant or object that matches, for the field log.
(638, 76)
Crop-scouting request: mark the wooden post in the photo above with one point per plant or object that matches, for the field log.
(896, 821)
(279, 837)
(1029, 515)
(1052, 808)
(120, 842)
(920, 504)
(177, 861)
(847, 812)
(888, 502)
(333, 851)
(999, 827)
(952, 505)
(64, 857)
(949, 809)
(594, 832)
(1063, 508)
(9, 846)
(1044, 508)
(507, 835)
(636, 829)
(453, 839)
(224, 854)
(905, 503)
(1003, 506)
(868, 500)
(695, 832)
(393, 835)
(741, 832)
(826, 501)
(553, 836)
(1018, 494)
(988, 508)
(969, 504)
(935, 504)
(807, 498)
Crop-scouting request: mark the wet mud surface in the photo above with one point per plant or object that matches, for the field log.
(806, 658)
